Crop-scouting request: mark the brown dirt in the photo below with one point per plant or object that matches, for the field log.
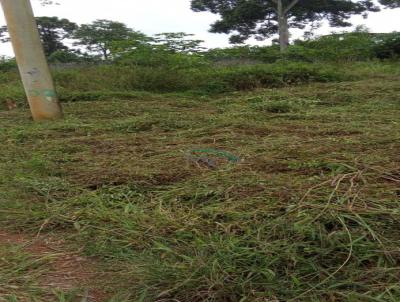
(68, 269)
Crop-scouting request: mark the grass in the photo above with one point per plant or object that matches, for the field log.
(310, 213)
(113, 82)
(15, 265)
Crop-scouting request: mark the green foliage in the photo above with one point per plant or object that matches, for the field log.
(273, 75)
(137, 42)
(204, 79)
(141, 64)
(261, 18)
(388, 46)
(52, 30)
(7, 64)
(356, 46)
(338, 47)
(159, 56)
(62, 56)
(100, 35)
(14, 93)
(244, 54)
(121, 81)
(179, 42)
(167, 50)
(390, 3)
(179, 73)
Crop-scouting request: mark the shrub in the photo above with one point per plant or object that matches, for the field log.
(341, 47)
(64, 57)
(244, 55)
(118, 81)
(7, 64)
(202, 79)
(388, 46)
(11, 93)
(160, 57)
(356, 46)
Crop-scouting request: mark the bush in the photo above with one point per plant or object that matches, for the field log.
(356, 46)
(14, 93)
(64, 57)
(343, 47)
(160, 57)
(244, 55)
(7, 64)
(207, 80)
(388, 46)
(123, 80)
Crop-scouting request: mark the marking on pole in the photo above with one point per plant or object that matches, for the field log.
(34, 72)
(49, 95)
(34, 92)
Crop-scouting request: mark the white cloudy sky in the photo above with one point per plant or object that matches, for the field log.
(155, 16)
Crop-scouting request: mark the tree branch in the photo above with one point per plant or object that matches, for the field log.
(290, 6)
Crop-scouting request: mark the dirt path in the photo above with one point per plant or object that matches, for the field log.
(68, 269)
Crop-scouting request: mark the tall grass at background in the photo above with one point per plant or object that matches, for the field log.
(145, 69)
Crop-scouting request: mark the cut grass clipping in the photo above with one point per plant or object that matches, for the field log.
(310, 212)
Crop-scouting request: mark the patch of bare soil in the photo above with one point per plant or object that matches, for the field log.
(68, 269)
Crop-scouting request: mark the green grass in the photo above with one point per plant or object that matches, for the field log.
(110, 82)
(310, 213)
(15, 266)
(22, 273)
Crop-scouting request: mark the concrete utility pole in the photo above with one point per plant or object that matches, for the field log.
(32, 64)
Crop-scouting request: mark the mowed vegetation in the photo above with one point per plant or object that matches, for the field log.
(228, 189)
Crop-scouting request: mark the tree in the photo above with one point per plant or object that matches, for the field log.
(136, 41)
(265, 18)
(100, 36)
(390, 3)
(61, 56)
(52, 30)
(179, 42)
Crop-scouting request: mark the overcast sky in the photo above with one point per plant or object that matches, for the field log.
(155, 16)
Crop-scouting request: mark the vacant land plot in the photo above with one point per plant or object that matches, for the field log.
(286, 194)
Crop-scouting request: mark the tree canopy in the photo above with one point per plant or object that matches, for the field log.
(100, 35)
(52, 30)
(390, 3)
(264, 18)
(179, 42)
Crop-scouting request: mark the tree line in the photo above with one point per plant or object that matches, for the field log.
(102, 39)
(242, 19)
(66, 41)
(264, 18)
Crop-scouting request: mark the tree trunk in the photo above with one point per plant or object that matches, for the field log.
(283, 34)
(105, 54)
(283, 28)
